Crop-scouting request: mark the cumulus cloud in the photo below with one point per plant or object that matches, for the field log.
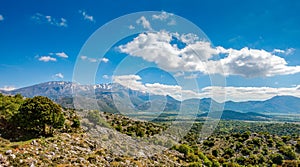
(134, 82)
(255, 63)
(83, 57)
(172, 22)
(40, 18)
(288, 51)
(156, 47)
(105, 60)
(87, 16)
(94, 60)
(250, 93)
(105, 77)
(8, 88)
(46, 58)
(62, 54)
(131, 27)
(164, 16)
(1, 17)
(197, 56)
(216, 92)
(58, 76)
(144, 22)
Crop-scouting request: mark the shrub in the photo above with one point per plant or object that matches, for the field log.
(277, 158)
(76, 123)
(185, 149)
(39, 114)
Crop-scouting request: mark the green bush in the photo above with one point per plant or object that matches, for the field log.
(185, 149)
(195, 164)
(76, 123)
(39, 114)
(277, 158)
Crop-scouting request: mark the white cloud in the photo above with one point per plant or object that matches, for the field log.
(105, 77)
(179, 74)
(86, 16)
(105, 60)
(162, 16)
(63, 22)
(83, 57)
(156, 47)
(172, 22)
(47, 58)
(254, 63)
(94, 60)
(40, 18)
(189, 38)
(1, 17)
(62, 54)
(131, 27)
(218, 93)
(8, 88)
(144, 22)
(278, 51)
(250, 93)
(288, 51)
(134, 82)
(197, 56)
(58, 75)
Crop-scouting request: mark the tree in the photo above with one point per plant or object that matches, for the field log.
(41, 115)
(277, 158)
(184, 148)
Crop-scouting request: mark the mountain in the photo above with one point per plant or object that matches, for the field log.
(234, 115)
(113, 97)
(277, 104)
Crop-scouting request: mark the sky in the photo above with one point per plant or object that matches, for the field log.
(245, 50)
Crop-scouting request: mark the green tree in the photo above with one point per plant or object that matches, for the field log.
(39, 114)
(277, 158)
(185, 149)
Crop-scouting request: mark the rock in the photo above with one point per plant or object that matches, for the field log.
(8, 152)
(13, 156)
(34, 142)
(67, 135)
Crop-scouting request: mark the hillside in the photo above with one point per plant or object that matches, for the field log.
(105, 139)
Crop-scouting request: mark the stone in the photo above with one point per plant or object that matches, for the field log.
(8, 152)
(34, 142)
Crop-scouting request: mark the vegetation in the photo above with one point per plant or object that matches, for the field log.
(56, 138)
(24, 118)
(39, 114)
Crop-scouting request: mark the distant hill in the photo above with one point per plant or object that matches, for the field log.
(106, 96)
(277, 104)
(234, 115)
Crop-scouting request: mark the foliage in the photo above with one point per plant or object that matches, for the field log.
(277, 158)
(39, 114)
(9, 105)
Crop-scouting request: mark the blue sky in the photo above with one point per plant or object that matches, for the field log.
(41, 41)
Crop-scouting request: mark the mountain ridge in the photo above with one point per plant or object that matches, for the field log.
(105, 94)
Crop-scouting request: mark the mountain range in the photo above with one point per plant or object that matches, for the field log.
(113, 97)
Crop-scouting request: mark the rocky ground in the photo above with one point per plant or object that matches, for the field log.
(76, 149)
